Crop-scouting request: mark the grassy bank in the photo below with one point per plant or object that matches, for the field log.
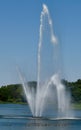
(1, 102)
(76, 106)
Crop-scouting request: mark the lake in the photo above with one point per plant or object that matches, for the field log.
(18, 117)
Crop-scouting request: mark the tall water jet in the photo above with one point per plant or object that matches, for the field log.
(52, 81)
(48, 80)
(44, 13)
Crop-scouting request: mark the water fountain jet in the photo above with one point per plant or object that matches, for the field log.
(37, 98)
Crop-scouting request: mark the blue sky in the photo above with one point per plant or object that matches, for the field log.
(19, 36)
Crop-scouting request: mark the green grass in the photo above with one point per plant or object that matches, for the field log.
(1, 102)
(76, 106)
(73, 106)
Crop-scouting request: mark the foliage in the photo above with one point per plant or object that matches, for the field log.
(11, 93)
(75, 88)
(14, 93)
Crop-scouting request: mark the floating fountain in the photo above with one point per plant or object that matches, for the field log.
(49, 85)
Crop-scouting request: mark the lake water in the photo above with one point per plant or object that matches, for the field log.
(18, 117)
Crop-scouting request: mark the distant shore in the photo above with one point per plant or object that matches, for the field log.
(14, 94)
(23, 103)
(76, 106)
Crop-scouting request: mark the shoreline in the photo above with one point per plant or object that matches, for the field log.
(22, 103)
(76, 106)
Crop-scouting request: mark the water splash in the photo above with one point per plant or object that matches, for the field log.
(37, 98)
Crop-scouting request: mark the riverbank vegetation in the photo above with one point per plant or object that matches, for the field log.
(75, 90)
(14, 93)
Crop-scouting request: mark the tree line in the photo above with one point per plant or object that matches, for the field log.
(75, 89)
(14, 93)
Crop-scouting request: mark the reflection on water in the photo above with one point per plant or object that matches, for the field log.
(23, 123)
(47, 125)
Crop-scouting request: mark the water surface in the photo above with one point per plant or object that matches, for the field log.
(18, 117)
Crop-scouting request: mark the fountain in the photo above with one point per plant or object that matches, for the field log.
(48, 85)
